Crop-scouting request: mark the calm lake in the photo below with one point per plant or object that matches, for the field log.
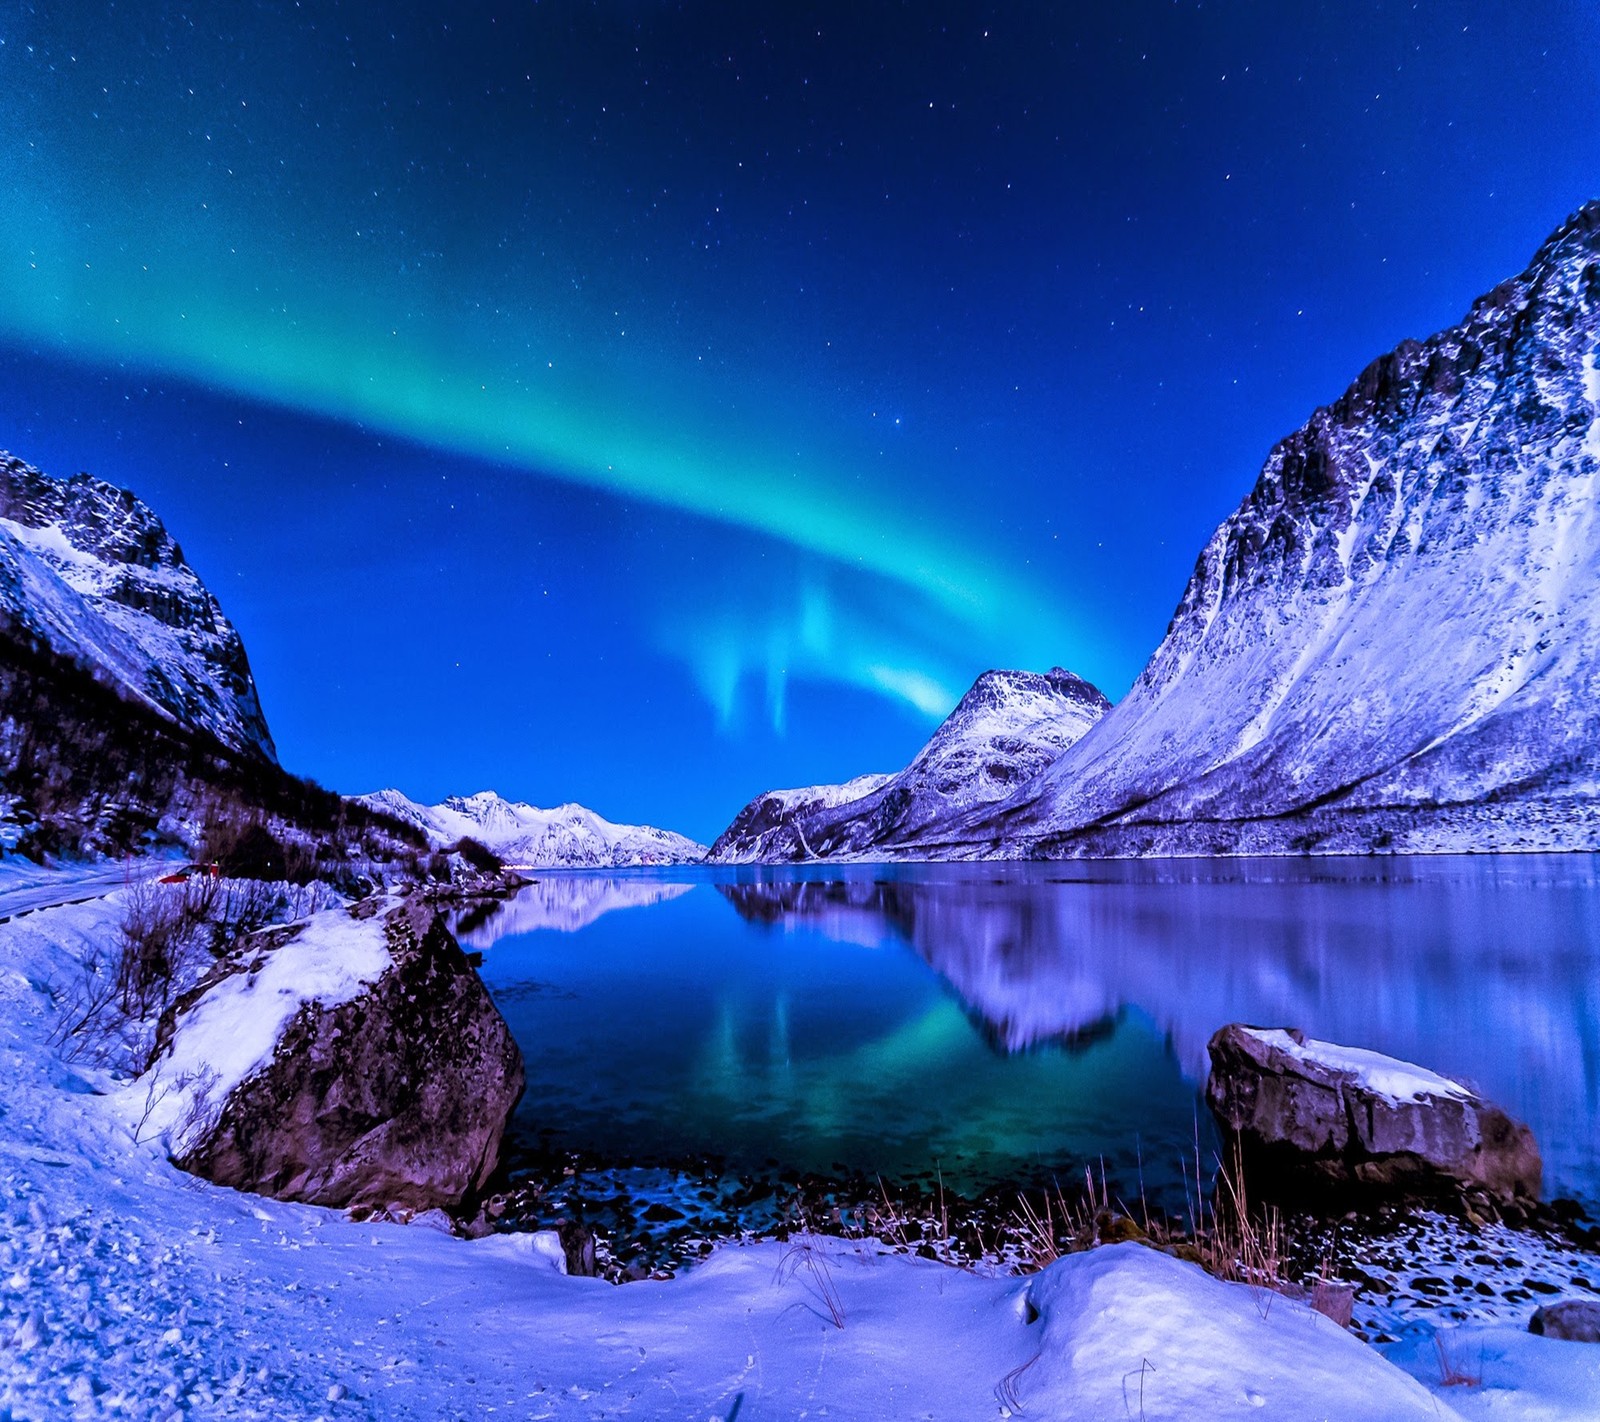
(995, 1024)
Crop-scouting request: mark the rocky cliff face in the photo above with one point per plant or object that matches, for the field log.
(1007, 728)
(89, 571)
(567, 837)
(1394, 643)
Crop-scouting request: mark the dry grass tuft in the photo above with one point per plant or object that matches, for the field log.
(804, 1254)
(1451, 1371)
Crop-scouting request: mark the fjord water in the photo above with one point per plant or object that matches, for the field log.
(1006, 1023)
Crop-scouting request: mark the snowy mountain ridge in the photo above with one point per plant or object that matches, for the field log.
(773, 811)
(567, 837)
(89, 571)
(1394, 642)
(1009, 726)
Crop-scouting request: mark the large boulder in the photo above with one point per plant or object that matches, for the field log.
(1575, 1320)
(1353, 1118)
(354, 1059)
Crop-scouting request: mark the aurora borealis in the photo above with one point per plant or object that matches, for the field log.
(647, 404)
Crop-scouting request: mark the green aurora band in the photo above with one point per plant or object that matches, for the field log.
(253, 248)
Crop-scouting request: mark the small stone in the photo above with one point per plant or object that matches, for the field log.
(661, 1213)
(338, 1392)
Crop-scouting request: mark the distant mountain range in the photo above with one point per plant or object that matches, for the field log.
(1006, 729)
(567, 837)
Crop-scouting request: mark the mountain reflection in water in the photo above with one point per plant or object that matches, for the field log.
(564, 902)
(1487, 969)
(1066, 1013)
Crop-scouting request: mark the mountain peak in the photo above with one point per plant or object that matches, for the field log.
(1395, 639)
(1009, 726)
(89, 571)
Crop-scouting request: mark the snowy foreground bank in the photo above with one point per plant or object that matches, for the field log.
(129, 1289)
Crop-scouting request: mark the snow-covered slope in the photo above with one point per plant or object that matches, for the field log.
(775, 810)
(1009, 726)
(89, 571)
(1394, 643)
(567, 837)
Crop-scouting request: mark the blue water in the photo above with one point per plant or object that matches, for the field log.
(999, 1023)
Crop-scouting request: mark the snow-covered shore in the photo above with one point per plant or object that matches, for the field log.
(130, 1290)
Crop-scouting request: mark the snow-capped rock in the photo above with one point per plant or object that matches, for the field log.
(89, 571)
(1009, 726)
(776, 809)
(350, 1059)
(1394, 643)
(567, 837)
(1352, 1118)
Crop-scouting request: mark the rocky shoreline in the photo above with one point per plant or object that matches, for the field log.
(1401, 1262)
(1392, 1245)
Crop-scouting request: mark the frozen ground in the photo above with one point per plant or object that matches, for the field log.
(130, 1290)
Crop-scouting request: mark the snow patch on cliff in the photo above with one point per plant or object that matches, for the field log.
(91, 572)
(232, 1031)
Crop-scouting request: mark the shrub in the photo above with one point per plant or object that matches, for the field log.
(257, 853)
(161, 930)
(479, 856)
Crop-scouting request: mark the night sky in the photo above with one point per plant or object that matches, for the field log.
(651, 404)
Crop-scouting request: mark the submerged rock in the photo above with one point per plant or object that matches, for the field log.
(356, 1061)
(1354, 1118)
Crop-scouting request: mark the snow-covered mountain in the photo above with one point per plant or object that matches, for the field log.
(1009, 726)
(776, 809)
(567, 837)
(89, 571)
(1394, 642)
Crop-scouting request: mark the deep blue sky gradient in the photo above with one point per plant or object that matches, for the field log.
(648, 404)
